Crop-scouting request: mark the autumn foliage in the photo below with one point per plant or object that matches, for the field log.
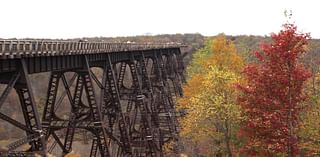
(210, 98)
(309, 131)
(273, 109)
(272, 96)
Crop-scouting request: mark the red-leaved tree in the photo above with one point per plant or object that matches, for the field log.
(272, 95)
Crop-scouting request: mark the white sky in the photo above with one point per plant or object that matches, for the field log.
(89, 18)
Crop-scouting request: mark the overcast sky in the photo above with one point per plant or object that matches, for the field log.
(90, 18)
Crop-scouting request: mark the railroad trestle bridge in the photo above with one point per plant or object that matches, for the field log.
(121, 96)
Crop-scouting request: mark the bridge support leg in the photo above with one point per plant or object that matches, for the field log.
(85, 115)
(181, 67)
(75, 109)
(20, 81)
(147, 89)
(166, 112)
(100, 130)
(112, 105)
(145, 145)
(52, 104)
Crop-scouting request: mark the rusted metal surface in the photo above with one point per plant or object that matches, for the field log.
(134, 120)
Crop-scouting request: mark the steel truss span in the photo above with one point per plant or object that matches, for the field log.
(121, 96)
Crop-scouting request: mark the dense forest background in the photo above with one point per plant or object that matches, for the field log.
(237, 95)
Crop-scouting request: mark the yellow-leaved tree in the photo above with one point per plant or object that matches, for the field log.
(209, 98)
(224, 55)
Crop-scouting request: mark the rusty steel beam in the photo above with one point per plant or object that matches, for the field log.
(126, 121)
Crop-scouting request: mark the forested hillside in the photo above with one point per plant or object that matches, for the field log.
(253, 96)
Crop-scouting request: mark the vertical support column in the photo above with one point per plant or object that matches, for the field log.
(121, 74)
(94, 147)
(147, 88)
(181, 67)
(97, 118)
(107, 106)
(29, 109)
(166, 111)
(171, 75)
(48, 111)
(163, 78)
(75, 107)
(146, 83)
(179, 70)
(146, 134)
(113, 91)
(50, 102)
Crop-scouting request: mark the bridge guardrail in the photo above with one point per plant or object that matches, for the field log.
(29, 48)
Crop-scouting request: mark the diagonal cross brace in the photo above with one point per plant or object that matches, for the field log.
(9, 87)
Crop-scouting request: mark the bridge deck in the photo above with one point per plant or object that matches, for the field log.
(10, 49)
(49, 55)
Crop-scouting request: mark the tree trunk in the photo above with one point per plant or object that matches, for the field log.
(227, 138)
(290, 144)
